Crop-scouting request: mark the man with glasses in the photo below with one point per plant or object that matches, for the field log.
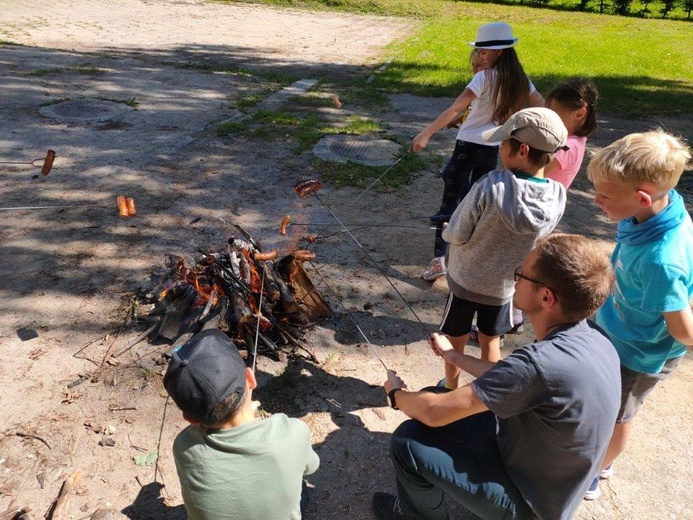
(525, 438)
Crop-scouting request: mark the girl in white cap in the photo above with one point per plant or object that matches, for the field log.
(498, 92)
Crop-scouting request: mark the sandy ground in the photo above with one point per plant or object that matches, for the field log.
(69, 274)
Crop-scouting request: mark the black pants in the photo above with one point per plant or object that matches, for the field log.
(469, 162)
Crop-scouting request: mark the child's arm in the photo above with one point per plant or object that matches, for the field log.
(461, 103)
(680, 325)
(536, 99)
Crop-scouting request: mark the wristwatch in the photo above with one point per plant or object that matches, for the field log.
(391, 397)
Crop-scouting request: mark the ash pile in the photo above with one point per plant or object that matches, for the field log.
(233, 288)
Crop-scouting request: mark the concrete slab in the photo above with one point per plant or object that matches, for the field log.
(84, 109)
(362, 149)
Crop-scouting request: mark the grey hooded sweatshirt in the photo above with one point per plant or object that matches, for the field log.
(494, 228)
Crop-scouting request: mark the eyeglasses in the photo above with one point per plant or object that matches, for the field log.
(518, 274)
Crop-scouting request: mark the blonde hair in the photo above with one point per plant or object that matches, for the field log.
(655, 158)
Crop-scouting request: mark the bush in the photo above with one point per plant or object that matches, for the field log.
(622, 7)
(667, 6)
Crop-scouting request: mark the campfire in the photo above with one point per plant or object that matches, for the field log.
(231, 289)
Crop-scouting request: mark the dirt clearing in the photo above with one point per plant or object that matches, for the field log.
(111, 88)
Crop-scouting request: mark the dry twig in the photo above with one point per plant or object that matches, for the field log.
(32, 436)
(56, 510)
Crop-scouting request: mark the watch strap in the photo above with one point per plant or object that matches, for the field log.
(391, 397)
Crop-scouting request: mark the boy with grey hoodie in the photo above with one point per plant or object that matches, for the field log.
(495, 227)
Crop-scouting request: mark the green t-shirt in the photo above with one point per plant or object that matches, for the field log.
(251, 472)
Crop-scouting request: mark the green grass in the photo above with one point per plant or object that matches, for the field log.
(305, 130)
(229, 128)
(641, 67)
(360, 175)
(250, 100)
(44, 72)
(86, 69)
(433, 8)
(281, 78)
(131, 102)
(358, 125)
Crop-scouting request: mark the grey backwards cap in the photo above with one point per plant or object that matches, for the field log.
(204, 372)
(541, 128)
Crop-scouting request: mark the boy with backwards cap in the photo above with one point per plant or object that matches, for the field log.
(230, 465)
(495, 226)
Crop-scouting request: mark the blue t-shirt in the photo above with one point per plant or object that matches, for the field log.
(653, 261)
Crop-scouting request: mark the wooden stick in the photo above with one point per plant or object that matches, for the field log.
(32, 436)
(107, 355)
(135, 341)
(57, 508)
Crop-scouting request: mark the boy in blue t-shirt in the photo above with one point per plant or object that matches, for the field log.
(648, 317)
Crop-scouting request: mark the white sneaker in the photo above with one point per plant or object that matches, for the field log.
(593, 492)
(435, 269)
(607, 472)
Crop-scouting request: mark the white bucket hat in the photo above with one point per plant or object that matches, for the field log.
(495, 35)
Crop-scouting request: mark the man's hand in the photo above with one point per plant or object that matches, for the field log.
(440, 345)
(393, 381)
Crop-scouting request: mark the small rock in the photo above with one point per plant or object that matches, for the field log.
(107, 441)
(26, 334)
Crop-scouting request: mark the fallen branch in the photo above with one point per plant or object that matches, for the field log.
(104, 336)
(122, 408)
(107, 355)
(60, 503)
(135, 341)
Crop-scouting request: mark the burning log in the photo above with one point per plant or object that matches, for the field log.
(223, 289)
(286, 299)
(271, 286)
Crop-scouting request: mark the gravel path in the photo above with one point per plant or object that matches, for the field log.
(243, 32)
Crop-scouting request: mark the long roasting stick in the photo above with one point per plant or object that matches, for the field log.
(368, 255)
(45, 167)
(351, 203)
(126, 206)
(259, 318)
(348, 313)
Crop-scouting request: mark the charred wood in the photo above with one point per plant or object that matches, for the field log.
(271, 287)
(214, 319)
(176, 312)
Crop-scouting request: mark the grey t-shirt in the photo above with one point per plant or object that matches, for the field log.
(556, 401)
(251, 472)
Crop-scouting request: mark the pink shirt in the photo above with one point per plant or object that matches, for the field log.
(569, 160)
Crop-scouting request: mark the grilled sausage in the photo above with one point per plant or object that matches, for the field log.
(130, 203)
(284, 224)
(48, 162)
(303, 255)
(122, 207)
(269, 255)
(305, 188)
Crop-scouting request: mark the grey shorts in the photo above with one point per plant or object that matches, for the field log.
(636, 386)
